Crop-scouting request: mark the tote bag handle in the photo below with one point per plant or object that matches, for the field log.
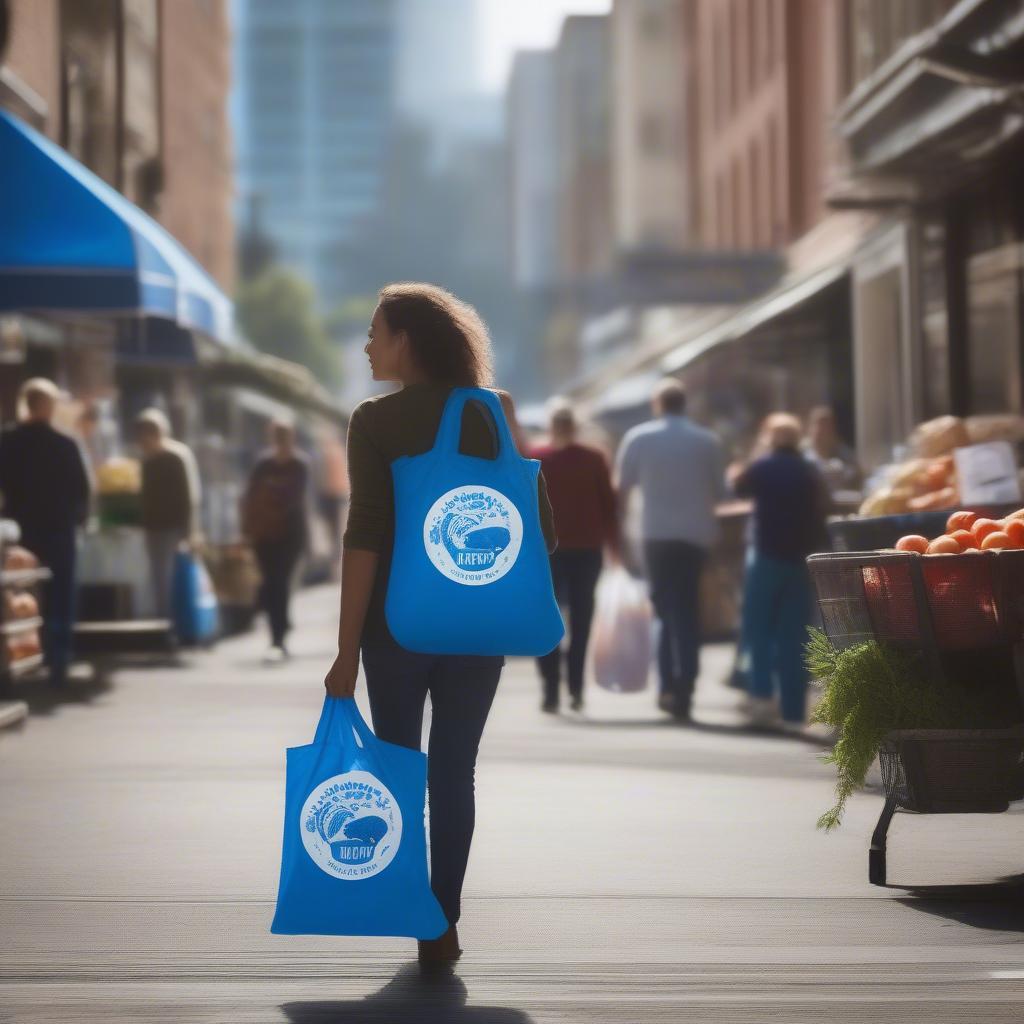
(341, 715)
(450, 429)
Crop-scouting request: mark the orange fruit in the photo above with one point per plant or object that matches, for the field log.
(1019, 514)
(965, 538)
(960, 521)
(1014, 529)
(944, 546)
(996, 540)
(983, 527)
(914, 542)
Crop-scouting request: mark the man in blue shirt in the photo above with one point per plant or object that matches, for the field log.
(677, 467)
(790, 504)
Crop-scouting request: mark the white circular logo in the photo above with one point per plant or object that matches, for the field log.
(473, 535)
(351, 825)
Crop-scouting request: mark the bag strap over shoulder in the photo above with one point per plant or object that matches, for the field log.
(450, 429)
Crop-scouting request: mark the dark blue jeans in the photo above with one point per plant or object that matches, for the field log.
(674, 568)
(574, 574)
(777, 602)
(56, 551)
(461, 689)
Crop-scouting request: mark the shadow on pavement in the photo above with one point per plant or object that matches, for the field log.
(44, 699)
(996, 906)
(411, 997)
(743, 731)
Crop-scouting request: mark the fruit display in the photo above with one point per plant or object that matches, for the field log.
(20, 605)
(968, 533)
(19, 559)
(119, 476)
(927, 481)
(22, 646)
(119, 486)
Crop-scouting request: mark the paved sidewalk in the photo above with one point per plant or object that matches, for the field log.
(625, 869)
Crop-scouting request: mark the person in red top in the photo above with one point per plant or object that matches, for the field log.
(586, 520)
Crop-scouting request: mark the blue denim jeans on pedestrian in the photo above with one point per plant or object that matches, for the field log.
(461, 689)
(776, 612)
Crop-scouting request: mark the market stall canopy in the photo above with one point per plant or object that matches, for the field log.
(72, 244)
(294, 385)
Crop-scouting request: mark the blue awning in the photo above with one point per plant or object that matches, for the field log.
(71, 243)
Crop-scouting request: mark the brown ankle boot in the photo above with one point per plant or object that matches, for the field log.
(443, 950)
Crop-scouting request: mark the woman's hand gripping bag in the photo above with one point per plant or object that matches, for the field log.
(354, 860)
(469, 570)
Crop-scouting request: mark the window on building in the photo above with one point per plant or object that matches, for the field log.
(141, 177)
(736, 204)
(773, 177)
(732, 55)
(89, 84)
(721, 213)
(756, 198)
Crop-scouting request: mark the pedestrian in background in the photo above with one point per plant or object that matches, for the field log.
(170, 500)
(429, 342)
(790, 500)
(46, 491)
(332, 492)
(678, 468)
(586, 520)
(275, 510)
(832, 456)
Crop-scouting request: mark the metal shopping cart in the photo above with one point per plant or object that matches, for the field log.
(965, 614)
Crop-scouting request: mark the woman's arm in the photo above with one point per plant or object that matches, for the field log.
(368, 522)
(358, 571)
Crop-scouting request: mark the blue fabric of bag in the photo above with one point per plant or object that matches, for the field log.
(194, 602)
(354, 857)
(469, 571)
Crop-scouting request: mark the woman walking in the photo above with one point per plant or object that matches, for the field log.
(428, 342)
(275, 523)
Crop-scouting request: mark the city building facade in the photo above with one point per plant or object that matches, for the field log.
(315, 114)
(532, 134)
(932, 122)
(652, 193)
(583, 125)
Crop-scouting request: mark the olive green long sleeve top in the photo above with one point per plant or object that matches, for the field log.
(385, 428)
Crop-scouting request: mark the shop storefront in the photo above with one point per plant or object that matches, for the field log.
(101, 299)
(936, 147)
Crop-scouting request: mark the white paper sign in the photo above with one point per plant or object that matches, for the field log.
(987, 473)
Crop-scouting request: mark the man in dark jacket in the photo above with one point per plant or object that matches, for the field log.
(46, 492)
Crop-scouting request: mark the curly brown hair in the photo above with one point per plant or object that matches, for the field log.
(449, 340)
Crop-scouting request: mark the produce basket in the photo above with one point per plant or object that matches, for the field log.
(933, 602)
(965, 614)
(949, 771)
(868, 533)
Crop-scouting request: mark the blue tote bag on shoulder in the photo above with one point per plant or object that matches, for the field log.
(354, 859)
(469, 570)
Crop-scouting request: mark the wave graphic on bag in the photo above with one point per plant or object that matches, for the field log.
(469, 570)
(354, 857)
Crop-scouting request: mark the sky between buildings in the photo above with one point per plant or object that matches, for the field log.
(505, 26)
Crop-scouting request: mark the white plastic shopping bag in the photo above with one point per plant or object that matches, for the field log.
(622, 633)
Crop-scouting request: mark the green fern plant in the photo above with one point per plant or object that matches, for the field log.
(869, 690)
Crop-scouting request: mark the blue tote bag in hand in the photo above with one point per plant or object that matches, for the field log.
(470, 571)
(354, 860)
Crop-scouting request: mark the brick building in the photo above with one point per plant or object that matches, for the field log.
(136, 90)
(766, 77)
